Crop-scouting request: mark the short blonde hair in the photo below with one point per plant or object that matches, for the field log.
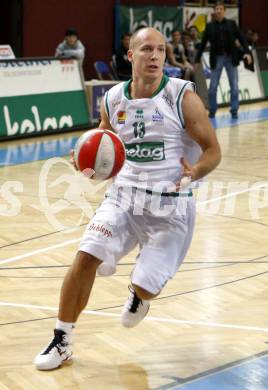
(134, 36)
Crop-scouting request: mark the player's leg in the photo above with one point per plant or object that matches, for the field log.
(107, 237)
(142, 293)
(162, 253)
(77, 286)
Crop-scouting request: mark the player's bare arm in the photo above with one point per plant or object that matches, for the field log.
(104, 123)
(199, 128)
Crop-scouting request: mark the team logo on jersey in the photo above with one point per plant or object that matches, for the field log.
(116, 103)
(139, 114)
(157, 116)
(121, 117)
(145, 151)
(168, 100)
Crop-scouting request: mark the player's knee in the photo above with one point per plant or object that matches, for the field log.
(144, 294)
(84, 262)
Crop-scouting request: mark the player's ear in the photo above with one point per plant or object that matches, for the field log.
(130, 55)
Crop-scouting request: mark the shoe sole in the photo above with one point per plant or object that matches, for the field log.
(66, 362)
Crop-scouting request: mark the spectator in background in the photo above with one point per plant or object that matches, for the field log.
(122, 64)
(223, 34)
(176, 55)
(252, 38)
(71, 47)
(189, 48)
(194, 34)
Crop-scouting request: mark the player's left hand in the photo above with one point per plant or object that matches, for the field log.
(188, 175)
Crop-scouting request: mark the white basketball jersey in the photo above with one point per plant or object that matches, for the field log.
(153, 132)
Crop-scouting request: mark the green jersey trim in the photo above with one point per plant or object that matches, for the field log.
(167, 194)
(126, 89)
(178, 102)
(163, 83)
(107, 105)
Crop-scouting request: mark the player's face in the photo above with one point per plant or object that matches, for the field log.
(219, 11)
(148, 55)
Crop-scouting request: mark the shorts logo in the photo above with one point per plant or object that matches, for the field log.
(157, 116)
(100, 229)
(145, 151)
(121, 117)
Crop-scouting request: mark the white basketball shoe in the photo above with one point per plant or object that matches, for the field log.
(56, 353)
(134, 310)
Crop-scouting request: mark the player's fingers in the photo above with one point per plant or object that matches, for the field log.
(187, 168)
(186, 165)
(183, 183)
(72, 154)
(72, 160)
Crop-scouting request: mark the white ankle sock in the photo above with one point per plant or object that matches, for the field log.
(67, 327)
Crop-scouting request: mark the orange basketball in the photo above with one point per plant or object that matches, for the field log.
(100, 150)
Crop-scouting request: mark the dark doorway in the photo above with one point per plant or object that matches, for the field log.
(11, 25)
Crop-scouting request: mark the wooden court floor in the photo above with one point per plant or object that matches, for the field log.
(212, 316)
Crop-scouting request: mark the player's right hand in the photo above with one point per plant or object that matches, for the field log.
(72, 161)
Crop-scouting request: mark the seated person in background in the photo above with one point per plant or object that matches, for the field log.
(169, 70)
(122, 64)
(71, 47)
(193, 31)
(189, 48)
(176, 55)
(252, 38)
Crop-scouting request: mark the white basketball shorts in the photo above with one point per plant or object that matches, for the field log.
(162, 226)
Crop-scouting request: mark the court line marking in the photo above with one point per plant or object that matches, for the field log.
(41, 250)
(216, 372)
(154, 319)
(233, 194)
(65, 243)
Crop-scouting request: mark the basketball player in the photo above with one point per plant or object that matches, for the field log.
(168, 138)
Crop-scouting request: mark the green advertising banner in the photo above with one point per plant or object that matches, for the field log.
(38, 96)
(38, 114)
(264, 77)
(163, 18)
